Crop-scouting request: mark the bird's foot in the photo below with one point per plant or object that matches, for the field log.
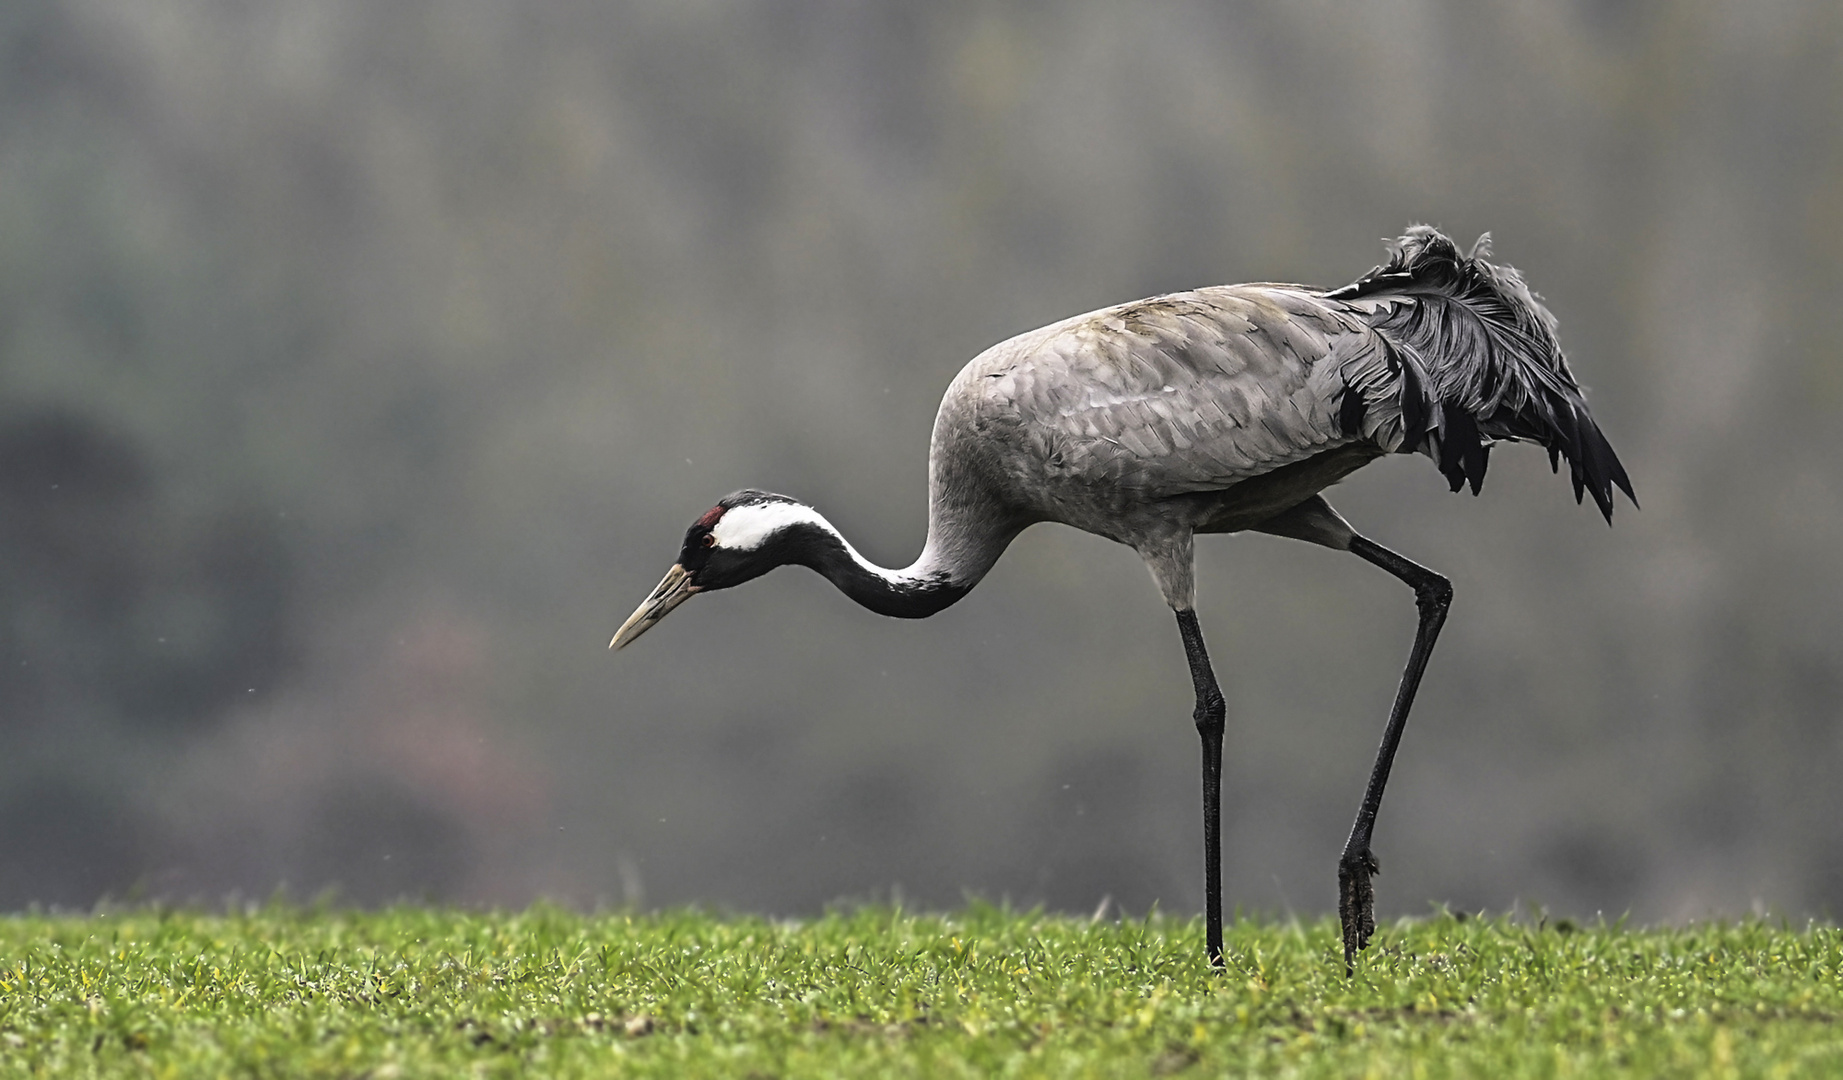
(1356, 903)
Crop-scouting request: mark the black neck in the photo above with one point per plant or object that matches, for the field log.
(901, 594)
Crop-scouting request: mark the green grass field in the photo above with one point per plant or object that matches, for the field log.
(420, 991)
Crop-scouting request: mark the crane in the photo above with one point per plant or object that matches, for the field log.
(1216, 410)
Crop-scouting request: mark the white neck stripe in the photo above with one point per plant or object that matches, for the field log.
(748, 527)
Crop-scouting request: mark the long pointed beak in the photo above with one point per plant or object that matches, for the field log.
(673, 591)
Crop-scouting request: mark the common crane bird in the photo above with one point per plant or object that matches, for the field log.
(1213, 411)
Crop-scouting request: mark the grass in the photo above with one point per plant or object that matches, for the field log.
(420, 991)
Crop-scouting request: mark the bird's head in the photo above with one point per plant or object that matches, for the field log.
(743, 537)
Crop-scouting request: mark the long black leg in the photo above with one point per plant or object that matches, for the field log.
(1433, 594)
(1209, 718)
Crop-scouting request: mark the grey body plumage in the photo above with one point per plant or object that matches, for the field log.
(1221, 409)
(1145, 422)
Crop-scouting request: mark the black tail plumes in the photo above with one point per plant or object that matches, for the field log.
(1479, 362)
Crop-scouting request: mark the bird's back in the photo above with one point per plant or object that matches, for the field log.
(1144, 408)
(1133, 405)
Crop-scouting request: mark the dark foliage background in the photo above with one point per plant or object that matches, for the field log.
(361, 365)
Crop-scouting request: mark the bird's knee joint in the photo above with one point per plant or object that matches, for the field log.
(1434, 594)
(1210, 714)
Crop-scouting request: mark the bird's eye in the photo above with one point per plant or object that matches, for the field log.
(710, 539)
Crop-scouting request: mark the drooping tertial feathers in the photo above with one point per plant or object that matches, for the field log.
(1479, 362)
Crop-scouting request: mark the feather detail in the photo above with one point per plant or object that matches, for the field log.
(1480, 362)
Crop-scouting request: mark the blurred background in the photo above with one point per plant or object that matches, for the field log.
(361, 366)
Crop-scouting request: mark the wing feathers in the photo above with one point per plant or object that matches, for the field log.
(1489, 366)
(1433, 353)
(1180, 393)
